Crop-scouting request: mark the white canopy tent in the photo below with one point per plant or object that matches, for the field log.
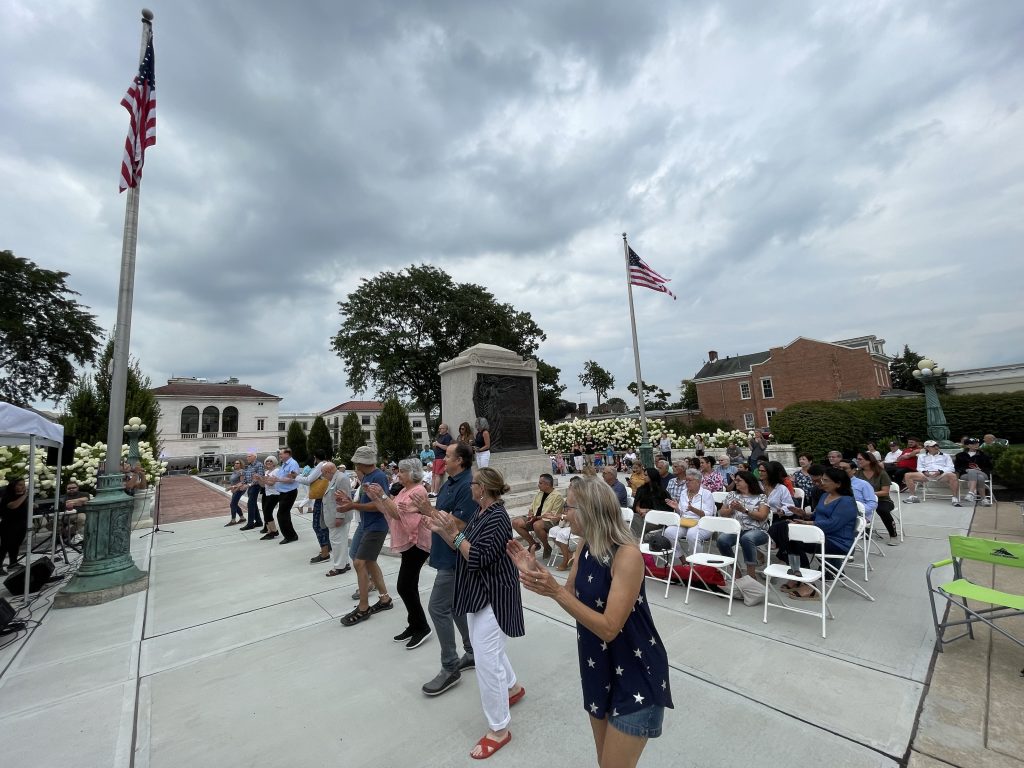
(22, 427)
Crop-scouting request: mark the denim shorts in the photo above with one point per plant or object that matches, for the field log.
(644, 723)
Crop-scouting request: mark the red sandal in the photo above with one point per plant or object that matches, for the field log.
(490, 746)
(517, 697)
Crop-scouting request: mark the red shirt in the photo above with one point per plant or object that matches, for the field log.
(908, 459)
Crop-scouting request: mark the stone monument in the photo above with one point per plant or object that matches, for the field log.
(497, 384)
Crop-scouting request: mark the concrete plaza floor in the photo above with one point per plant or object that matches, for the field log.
(235, 657)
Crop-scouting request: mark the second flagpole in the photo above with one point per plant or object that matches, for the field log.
(646, 450)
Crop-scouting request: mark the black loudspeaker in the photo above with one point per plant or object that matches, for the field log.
(67, 453)
(42, 570)
(6, 614)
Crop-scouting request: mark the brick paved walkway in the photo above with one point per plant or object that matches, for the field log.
(183, 497)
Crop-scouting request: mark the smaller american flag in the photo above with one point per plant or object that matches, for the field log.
(642, 275)
(140, 101)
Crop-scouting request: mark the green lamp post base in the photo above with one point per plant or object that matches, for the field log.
(646, 451)
(107, 571)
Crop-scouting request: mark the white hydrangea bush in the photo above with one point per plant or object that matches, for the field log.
(624, 433)
(89, 458)
(14, 465)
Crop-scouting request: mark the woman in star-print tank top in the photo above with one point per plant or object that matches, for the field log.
(623, 663)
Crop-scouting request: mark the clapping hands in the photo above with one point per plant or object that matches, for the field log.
(532, 575)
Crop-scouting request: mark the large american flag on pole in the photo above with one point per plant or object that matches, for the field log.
(140, 101)
(642, 275)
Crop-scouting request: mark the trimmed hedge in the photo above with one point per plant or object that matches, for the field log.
(1009, 468)
(818, 427)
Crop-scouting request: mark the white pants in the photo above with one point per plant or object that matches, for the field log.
(578, 462)
(339, 544)
(693, 535)
(483, 458)
(494, 675)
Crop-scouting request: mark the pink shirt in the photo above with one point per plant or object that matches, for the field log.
(411, 527)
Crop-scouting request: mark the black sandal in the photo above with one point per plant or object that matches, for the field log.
(356, 616)
(380, 605)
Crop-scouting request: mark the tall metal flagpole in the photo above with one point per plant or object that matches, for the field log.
(107, 570)
(646, 451)
(125, 296)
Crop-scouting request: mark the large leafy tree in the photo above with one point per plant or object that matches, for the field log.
(44, 332)
(394, 433)
(319, 438)
(296, 440)
(549, 393)
(88, 402)
(688, 395)
(900, 370)
(398, 327)
(596, 378)
(654, 396)
(351, 437)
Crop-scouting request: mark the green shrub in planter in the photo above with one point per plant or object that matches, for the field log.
(1009, 469)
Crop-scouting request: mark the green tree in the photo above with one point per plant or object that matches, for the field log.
(394, 433)
(654, 396)
(596, 378)
(296, 440)
(319, 438)
(617, 405)
(44, 332)
(397, 328)
(901, 370)
(87, 405)
(351, 437)
(549, 393)
(688, 395)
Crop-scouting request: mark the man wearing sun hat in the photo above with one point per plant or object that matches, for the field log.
(933, 464)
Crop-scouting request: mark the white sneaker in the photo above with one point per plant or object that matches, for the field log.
(955, 501)
(911, 500)
(970, 497)
(986, 502)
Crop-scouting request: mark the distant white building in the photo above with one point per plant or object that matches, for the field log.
(284, 420)
(211, 421)
(368, 411)
(992, 378)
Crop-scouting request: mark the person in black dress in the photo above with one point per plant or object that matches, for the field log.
(623, 663)
(13, 527)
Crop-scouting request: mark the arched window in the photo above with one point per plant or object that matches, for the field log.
(230, 419)
(211, 419)
(189, 420)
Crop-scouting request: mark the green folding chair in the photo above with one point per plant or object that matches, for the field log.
(962, 589)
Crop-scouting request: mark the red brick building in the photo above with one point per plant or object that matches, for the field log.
(748, 390)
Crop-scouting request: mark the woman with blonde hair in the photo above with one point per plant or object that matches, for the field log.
(487, 591)
(270, 496)
(623, 663)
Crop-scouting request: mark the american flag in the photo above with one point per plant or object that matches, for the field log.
(140, 101)
(642, 275)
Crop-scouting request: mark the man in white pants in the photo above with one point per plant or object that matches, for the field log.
(692, 501)
(335, 521)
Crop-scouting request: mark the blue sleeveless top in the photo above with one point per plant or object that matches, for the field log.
(629, 673)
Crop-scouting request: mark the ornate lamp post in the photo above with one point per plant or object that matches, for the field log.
(929, 373)
(107, 570)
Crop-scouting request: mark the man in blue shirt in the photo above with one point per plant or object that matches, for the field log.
(253, 469)
(287, 489)
(611, 477)
(455, 497)
(368, 539)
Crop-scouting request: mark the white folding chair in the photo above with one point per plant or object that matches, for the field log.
(798, 497)
(719, 497)
(653, 518)
(987, 493)
(866, 541)
(556, 552)
(726, 565)
(806, 534)
(835, 565)
(627, 515)
(897, 510)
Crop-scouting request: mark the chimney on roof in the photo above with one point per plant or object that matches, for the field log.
(712, 356)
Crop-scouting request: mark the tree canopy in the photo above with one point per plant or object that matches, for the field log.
(549, 393)
(655, 397)
(394, 433)
(87, 406)
(688, 395)
(351, 437)
(901, 372)
(44, 332)
(398, 327)
(319, 438)
(596, 378)
(296, 440)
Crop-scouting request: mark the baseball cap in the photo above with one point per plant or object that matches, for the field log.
(973, 440)
(929, 443)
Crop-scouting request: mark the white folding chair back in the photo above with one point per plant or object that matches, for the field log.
(719, 497)
(806, 534)
(798, 497)
(653, 518)
(702, 556)
(627, 515)
(836, 565)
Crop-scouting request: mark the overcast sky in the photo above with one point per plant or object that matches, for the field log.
(822, 169)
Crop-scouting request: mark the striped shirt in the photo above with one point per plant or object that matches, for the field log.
(488, 576)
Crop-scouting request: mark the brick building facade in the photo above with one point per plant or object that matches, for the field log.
(748, 390)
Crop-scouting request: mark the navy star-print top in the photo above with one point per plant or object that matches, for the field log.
(630, 672)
